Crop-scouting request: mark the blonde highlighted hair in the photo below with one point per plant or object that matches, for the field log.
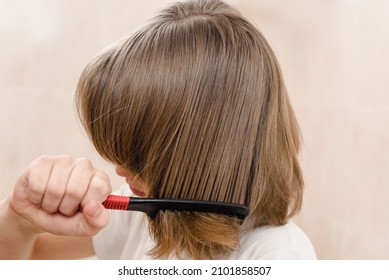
(194, 104)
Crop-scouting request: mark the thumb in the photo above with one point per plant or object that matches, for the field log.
(96, 217)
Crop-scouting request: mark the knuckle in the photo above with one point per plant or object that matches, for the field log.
(84, 161)
(97, 184)
(44, 159)
(39, 162)
(101, 184)
(65, 159)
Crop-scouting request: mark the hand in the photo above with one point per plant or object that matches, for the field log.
(62, 195)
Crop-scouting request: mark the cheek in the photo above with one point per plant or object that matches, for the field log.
(137, 186)
(136, 183)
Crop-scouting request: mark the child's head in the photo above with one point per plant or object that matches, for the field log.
(194, 105)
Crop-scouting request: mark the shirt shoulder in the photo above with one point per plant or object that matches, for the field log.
(284, 242)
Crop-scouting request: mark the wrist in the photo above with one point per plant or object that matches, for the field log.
(17, 238)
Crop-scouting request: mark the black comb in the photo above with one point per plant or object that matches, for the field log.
(151, 206)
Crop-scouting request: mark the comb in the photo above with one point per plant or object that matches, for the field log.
(151, 206)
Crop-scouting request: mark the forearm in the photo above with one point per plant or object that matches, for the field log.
(17, 236)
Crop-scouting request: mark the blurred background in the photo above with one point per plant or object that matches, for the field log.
(335, 60)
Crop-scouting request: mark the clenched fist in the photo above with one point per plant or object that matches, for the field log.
(62, 195)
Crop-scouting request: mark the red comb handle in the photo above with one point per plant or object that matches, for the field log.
(116, 202)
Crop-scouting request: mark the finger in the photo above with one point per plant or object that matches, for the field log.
(56, 185)
(88, 222)
(77, 186)
(38, 174)
(99, 188)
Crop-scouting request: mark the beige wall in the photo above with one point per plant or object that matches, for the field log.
(335, 59)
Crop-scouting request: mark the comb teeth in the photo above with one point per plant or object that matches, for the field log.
(116, 202)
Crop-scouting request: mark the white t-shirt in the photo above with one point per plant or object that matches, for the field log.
(127, 237)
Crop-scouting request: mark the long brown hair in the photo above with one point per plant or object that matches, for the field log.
(194, 104)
